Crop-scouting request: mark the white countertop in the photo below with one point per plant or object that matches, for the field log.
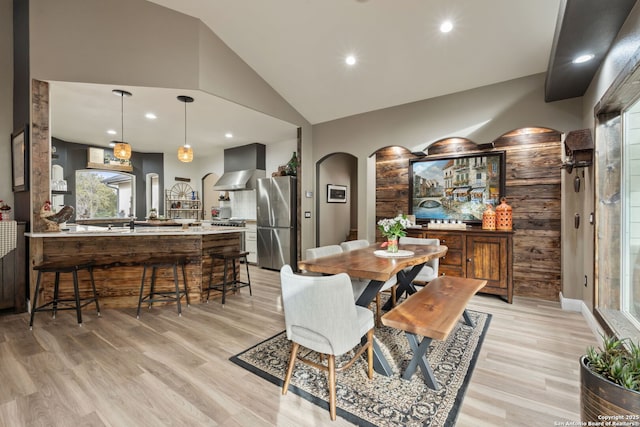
(91, 230)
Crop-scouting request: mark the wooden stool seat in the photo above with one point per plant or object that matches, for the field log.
(68, 304)
(163, 296)
(229, 258)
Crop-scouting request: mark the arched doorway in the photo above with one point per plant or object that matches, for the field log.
(338, 215)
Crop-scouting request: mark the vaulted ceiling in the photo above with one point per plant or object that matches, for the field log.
(299, 48)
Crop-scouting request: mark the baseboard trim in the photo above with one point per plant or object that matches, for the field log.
(570, 304)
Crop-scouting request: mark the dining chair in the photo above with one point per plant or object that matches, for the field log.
(320, 315)
(389, 285)
(430, 270)
(358, 286)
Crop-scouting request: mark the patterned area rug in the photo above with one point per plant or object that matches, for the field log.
(382, 401)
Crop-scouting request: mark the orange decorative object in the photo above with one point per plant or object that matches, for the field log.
(504, 216)
(489, 219)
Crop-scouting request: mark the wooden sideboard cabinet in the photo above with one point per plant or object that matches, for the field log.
(476, 254)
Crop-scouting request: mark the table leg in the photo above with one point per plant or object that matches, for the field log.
(405, 284)
(420, 359)
(467, 319)
(380, 363)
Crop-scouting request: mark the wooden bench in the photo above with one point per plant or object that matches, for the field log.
(432, 313)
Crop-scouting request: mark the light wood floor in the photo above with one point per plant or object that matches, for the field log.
(166, 370)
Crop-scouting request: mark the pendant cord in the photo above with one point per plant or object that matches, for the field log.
(122, 116)
(185, 123)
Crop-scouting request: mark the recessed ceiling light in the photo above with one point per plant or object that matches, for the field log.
(446, 26)
(112, 132)
(350, 60)
(112, 144)
(228, 135)
(151, 116)
(583, 58)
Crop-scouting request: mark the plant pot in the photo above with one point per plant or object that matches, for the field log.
(601, 398)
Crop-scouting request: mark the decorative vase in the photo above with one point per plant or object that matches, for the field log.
(292, 165)
(504, 216)
(489, 219)
(392, 244)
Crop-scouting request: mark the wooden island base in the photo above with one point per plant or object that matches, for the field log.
(118, 263)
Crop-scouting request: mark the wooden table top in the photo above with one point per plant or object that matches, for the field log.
(362, 263)
(434, 310)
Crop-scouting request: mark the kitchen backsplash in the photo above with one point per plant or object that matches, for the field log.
(243, 204)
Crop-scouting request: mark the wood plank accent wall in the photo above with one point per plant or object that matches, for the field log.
(40, 153)
(533, 189)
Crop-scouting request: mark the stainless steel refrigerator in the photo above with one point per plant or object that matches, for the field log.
(277, 222)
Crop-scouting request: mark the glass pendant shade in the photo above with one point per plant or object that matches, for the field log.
(122, 150)
(185, 154)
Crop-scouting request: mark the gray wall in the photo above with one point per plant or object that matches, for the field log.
(335, 219)
(6, 98)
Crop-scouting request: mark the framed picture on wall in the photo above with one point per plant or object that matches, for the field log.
(20, 159)
(336, 193)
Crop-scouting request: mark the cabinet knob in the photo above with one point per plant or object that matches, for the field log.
(443, 241)
(468, 259)
(443, 258)
(442, 274)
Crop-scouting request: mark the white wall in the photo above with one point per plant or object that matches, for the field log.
(6, 98)
(279, 154)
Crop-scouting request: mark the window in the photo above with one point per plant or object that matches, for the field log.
(630, 286)
(104, 194)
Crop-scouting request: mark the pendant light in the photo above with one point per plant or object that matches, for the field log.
(121, 150)
(185, 153)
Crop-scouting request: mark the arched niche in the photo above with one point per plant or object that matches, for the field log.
(337, 220)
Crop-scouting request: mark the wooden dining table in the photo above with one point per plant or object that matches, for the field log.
(365, 264)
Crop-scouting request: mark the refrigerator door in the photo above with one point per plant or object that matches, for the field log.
(264, 247)
(275, 248)
(282, 208)
(281, 248)
(263, 203)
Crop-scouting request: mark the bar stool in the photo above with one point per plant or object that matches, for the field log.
(68, 304)
(161, 296)
(229, 259)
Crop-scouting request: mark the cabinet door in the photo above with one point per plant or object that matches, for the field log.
(487, 260)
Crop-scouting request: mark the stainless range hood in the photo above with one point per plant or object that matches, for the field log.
(243, 166)
(239, 180)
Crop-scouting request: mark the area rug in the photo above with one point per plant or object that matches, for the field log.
(382, 401)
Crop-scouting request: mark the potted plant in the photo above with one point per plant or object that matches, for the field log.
(393, 229)
(610, 382)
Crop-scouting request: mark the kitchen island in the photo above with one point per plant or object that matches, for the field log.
(118, 252)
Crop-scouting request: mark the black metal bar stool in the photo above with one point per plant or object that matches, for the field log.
(163, 296)
(229, 259)
(67, 304)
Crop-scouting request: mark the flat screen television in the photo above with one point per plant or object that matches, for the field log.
(456, 187)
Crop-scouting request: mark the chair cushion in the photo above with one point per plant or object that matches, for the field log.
(351, 245)
(389, 283)
(426, 274)
(358, 286)
(365, 319)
